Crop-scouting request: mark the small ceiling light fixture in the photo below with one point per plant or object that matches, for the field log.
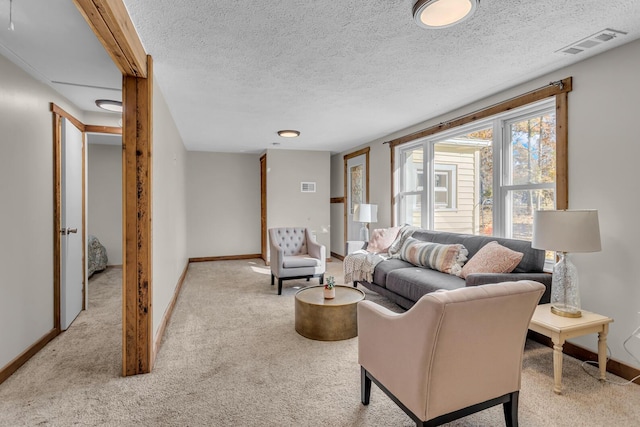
(443, 13)
(109, 105)
(289, 133)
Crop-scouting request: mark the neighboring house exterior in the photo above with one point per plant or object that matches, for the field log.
(457, 191)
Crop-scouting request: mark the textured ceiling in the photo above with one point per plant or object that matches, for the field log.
(52, 42)
(342, 72)
(347, 72)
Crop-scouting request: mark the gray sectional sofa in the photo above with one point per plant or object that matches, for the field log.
(405, 283)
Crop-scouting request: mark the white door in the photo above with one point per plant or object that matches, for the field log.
(356, 192)
(71, 236)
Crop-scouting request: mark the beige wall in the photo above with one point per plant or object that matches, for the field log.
(223, 199)
(603, 155)
(104, 119)
(26, 200)
(287, 206)
(169, 207)
(104, 197)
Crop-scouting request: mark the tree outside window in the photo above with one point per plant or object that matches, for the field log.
(485, 178)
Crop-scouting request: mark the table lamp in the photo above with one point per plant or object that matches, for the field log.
(566, 231)
(365, 214)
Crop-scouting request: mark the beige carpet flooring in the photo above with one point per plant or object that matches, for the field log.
(231, 357)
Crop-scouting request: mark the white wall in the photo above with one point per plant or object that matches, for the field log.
(223, 199)
(102, 119)
(169, 215)
(604, 152)
(287, 206)
(26, 209)
(104, 197)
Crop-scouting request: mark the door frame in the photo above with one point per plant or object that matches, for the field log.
(364, 151)
(263, 208)
(58, 115)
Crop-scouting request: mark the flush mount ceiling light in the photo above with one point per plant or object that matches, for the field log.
(289, 133)
(109, 105)
(443, 13)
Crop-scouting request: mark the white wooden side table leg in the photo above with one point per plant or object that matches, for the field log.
(558, 343)
(602, 351)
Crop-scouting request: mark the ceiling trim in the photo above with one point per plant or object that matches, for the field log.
(111, 23)
(103, 129)
(552, 89)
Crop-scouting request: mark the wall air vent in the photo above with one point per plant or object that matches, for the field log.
(308, 187)
(590, 42)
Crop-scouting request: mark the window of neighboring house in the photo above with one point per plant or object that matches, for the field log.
(487, 177)
(444, 187)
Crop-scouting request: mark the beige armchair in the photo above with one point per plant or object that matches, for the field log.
(295, 255)
(452, 354)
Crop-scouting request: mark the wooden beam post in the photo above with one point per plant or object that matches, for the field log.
(562, 151)
(137, 319)
(111, 23)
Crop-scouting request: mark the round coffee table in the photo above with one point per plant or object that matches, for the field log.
(327, 319)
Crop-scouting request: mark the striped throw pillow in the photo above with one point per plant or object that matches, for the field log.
(445, 258)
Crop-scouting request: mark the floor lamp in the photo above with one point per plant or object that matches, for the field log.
(365, 213)
(566, 231)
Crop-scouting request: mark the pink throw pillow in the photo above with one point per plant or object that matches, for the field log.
(492, 258)
(381, 239)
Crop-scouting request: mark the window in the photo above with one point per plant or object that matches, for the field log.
(529, 170)
(487, 177)
(444, 187)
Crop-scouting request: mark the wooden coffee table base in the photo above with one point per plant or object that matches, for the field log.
(327, 319)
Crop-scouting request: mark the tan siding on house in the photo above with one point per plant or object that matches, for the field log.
(464, 218)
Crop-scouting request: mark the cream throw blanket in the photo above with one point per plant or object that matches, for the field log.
(359, 265)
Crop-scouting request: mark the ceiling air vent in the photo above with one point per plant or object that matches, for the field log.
(590, 42)
(308, 187)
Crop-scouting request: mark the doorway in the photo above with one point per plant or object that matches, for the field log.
(356, 189)
(263, 208)
(70, 237)
(104, 200)
(71, 225)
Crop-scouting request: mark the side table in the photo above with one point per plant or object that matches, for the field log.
(559, 329)
(323, 319)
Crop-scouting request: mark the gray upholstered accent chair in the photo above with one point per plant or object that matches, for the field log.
(295, 255)
(452, 354)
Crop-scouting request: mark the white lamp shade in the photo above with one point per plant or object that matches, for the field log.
(566, 231)
(365, 213)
